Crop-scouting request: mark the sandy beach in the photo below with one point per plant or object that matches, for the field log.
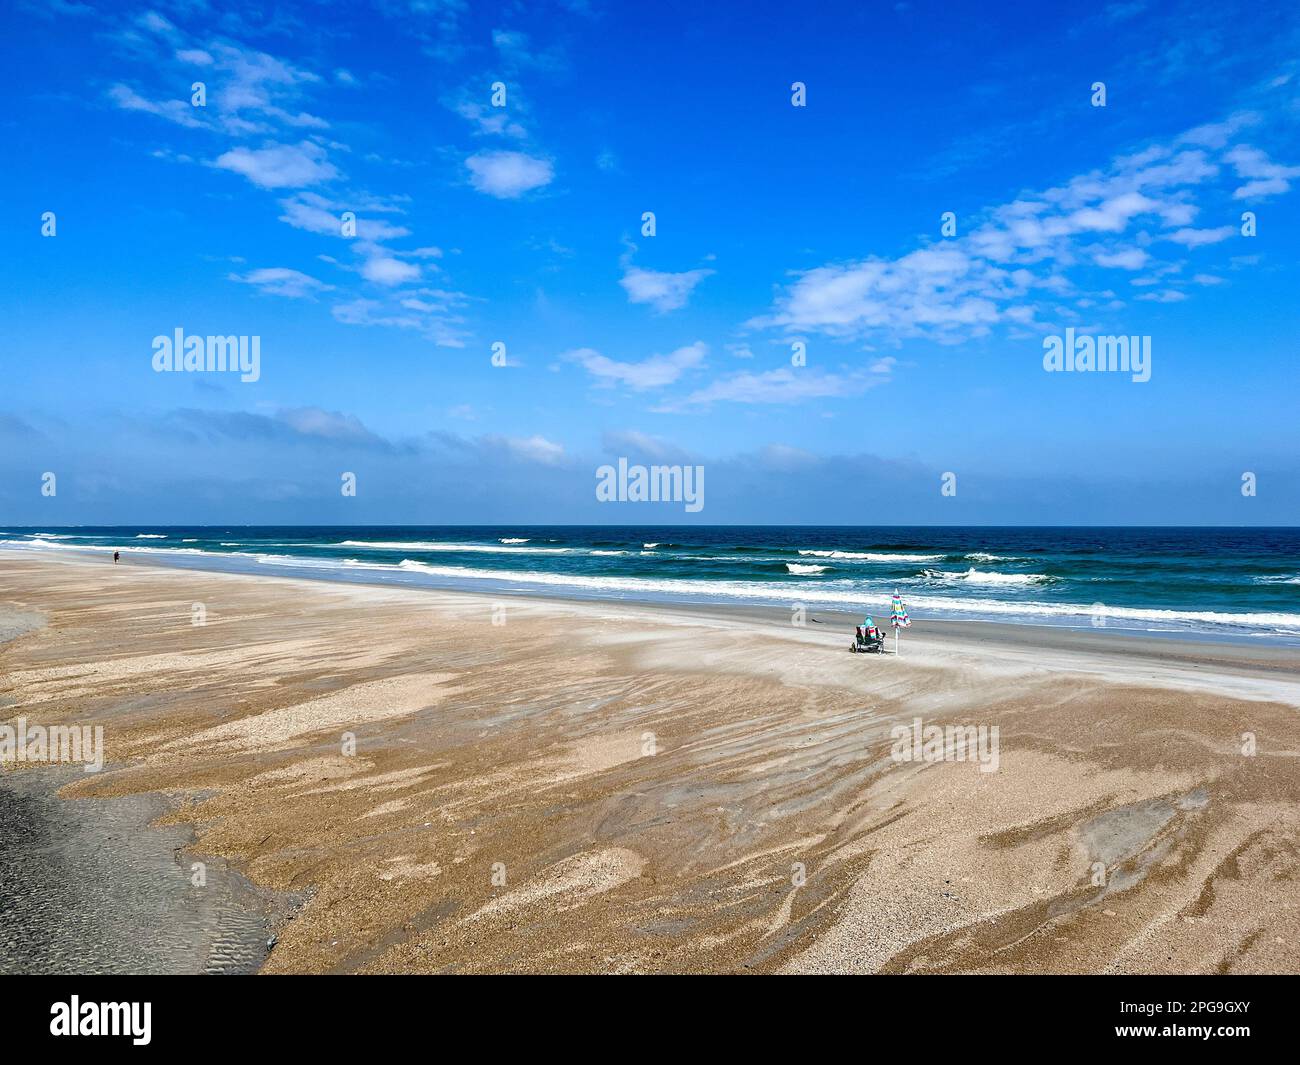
(455, 783)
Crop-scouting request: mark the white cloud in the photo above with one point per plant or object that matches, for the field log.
(385, 270)
(372, 312)
(1122, 259)
(1217, 134)
(178, 111)
(249, 93)
(1112, 215)
(331, 425)
(663, 291)
(508, 175)
(316, 214)
(155, 23)
(254, 94)
(654, 372)
(783, 385)
(642, 445)
(531, 448)
(518, 51)
(437, 325)
(1194, 238)
(281, 281)
(939, 289)
(277, 166)
(1266, 178)
(1020, 262)
(256, 81)
(491, 121)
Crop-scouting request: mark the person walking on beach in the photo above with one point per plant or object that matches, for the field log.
(116, 556)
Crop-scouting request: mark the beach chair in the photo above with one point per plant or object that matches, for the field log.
(867, 640)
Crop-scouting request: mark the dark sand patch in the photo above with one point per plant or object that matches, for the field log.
(87, 888)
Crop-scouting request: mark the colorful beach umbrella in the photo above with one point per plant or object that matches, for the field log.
(899, 616)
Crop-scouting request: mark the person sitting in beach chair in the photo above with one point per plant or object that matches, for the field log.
(867, 637)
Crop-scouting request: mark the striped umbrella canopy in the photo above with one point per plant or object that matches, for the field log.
(899, 616)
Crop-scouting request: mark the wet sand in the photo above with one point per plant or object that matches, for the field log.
(86, 887)
(620, 788)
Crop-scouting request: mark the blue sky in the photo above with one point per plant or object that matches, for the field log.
(522, 225)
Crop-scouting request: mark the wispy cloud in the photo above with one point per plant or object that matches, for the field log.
(432, 319)
(1024, 261)
(247, 92)
(1264, 177)
(1194, 238)
(784, 385)
(642, 445)
(319, 214)
(178, 111)
(662, 291)
(303, 425)
(328, 425)
(489, 121)
(654, 372)
(253, 94)
(281, 281)
(519, 52)
(529, 448)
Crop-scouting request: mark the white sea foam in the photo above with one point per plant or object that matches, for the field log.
(843, 593)
(151, 536)
(796, 567)
(297, 562)
(650, 547)
(857, 598)
(978, 576)
(425, 545)
(514, 540)
(872, 556)
(106, 548)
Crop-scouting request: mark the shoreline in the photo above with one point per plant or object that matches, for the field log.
(1129, 619)
(523, 745)
(1054, 634)
(1076, 648)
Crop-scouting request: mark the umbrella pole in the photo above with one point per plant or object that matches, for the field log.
(895, 639)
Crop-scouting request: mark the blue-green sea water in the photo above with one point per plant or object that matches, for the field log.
(1178, 581)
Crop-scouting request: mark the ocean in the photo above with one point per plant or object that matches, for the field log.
(1218, 582)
